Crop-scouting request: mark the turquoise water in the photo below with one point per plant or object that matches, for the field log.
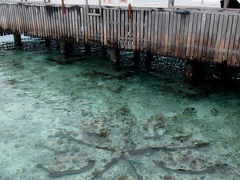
(86, 121)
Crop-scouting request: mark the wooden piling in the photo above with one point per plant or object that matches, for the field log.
(17, 40)
(115, 57)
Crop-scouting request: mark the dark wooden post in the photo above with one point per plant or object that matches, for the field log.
(17, 40)
(87, 49)
(47, 43)
(63, 47)
(149, 60)
(194, 71)
(115, 57)
(136, 58)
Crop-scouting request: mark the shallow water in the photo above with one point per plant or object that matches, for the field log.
(86, 121)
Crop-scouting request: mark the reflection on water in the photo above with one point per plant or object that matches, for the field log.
(87, 121)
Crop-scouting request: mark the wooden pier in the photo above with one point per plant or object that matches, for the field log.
(194, 34)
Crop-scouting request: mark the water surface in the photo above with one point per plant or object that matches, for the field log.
(87, 121)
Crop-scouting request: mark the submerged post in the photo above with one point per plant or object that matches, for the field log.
(87, 49)
(17, 40)
(47, 43)
(136, 58)
(115, 56)
(194, 71)
(149, 60)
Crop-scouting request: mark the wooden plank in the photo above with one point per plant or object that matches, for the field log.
(219, 38)
(178, 34)
(108, 27)
(227, 40)
(194, 33)
(170, 37)
(174, 32)
(98, 29)
(122, 29)
(126, 30)
(130, 32)
(119, 27)
(105, 27)
(156, 32)
(166, 24)
(223, 39)
(112, 25)
(215, 33)
(138, 14)
(203, 24)
(210, 37)
(205, 38)
(134, 23)
(146, 31)
(190, 31)
(236, 43)
(141, 30)
(162, 38)
(232, 39)
(115, 32)
(149, 30)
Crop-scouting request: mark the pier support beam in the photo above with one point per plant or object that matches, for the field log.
(65, 47)
(136, 58)
(149, 60)
(47, 43)
(115, 57)
(87, 49)
(194, 71)
(17, 40)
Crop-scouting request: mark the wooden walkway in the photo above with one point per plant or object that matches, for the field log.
(206, 35)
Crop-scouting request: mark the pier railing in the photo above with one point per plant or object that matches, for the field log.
(203, 34)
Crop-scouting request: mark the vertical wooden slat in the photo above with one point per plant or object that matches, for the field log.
(223, 39)
(119, 27)
(112, 25)
(166, 24)
(194, 33)
(178, 34)
(141, 30)
(156, 32)
(134, 25)
(138, 13)
(122, 29)
(189, 35)
(149, 30)
(214, 38)
(219, 37)
(227, 41)
(126, 30)
(115, 25)
(146, 31)
(236, 43)
(205, 39)
(174, 32)
(203, 24)
(232, 39)
(210, 37)
(105, 26)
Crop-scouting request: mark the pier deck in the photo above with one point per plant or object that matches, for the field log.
(194, 34)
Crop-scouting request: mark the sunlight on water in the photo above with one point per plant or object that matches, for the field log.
(87, 121)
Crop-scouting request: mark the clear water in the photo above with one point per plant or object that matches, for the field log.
(86, 121)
